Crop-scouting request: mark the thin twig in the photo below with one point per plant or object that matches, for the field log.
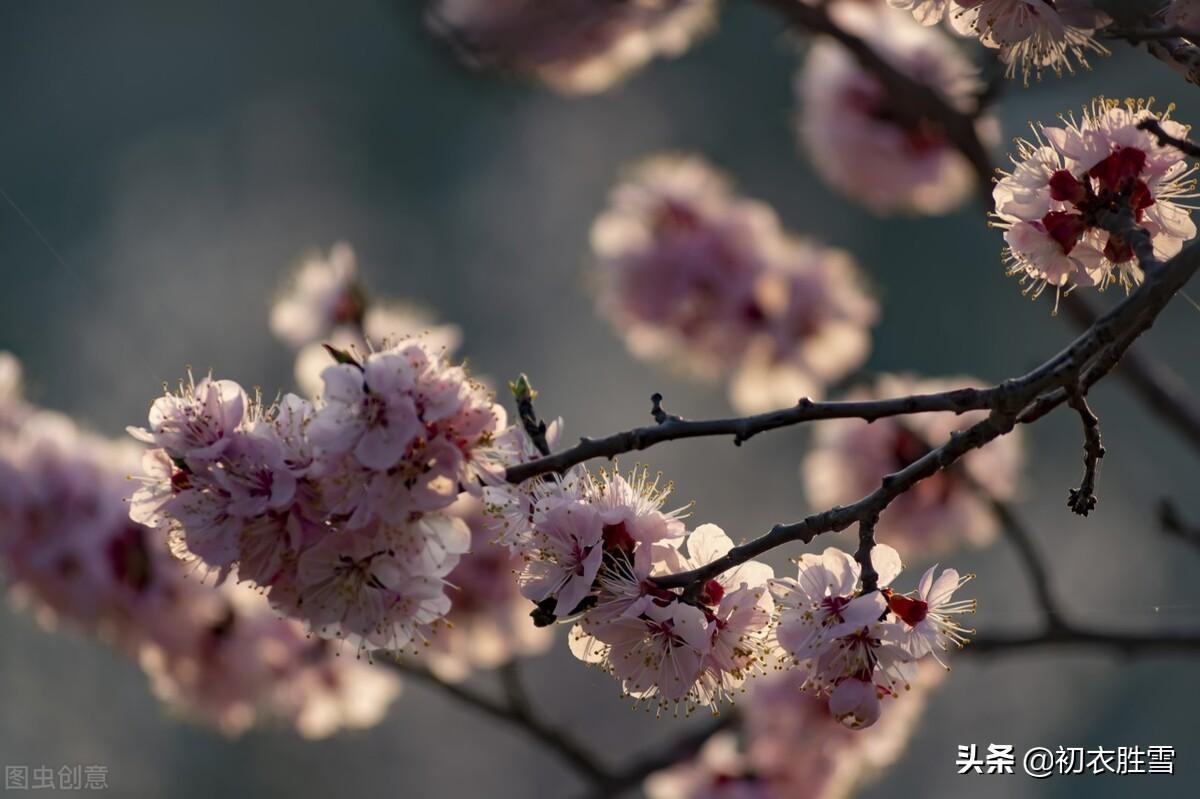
(1023, 542)
(524, 394)
(1159, 387)
(1183, 145)
(674, 751)
(519, 716)
(1082, 500)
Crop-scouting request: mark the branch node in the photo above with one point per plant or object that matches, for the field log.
(660, 415)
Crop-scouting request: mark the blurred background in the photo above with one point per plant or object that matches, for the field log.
(180, 160)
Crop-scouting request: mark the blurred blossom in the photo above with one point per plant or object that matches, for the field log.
(718, 771)
(1047, 205)
(328, 305)
(792, 748)
(488, 623)
(1184, 14)
(692, 274)
(862, 139)
(575, 46)
(220, 654)
(323, 295)
(850, 456)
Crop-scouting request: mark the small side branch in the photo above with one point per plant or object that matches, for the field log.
(1082, 500)
(518, 714)
(674, 751)
(1183, 145)
(524, 394)
(1158, 386)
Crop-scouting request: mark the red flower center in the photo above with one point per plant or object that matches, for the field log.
(912, 611)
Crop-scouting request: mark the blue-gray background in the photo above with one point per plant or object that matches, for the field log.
(180, 159)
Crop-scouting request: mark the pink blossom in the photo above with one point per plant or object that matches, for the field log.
(633, 618)
(679, 257)
(928, 618)
(849, 457)
(379, 589)
(855, 703)
(795, 746)
(198, 423)
(1033, 34)
(324, 295)
(565, 559)
(217, 654)
(719, 771)
(410, 418)
(576, 46)
(694, 275)
(926, 12)
(821, 602)
(1048, 205)
(815, 331)
(381, 326)
(631, 512)
(865, 145)
(659, 655)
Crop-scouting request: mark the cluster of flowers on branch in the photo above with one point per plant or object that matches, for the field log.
(857, 645)
(488, 623)
(71, 553)
(691, 273)
(1058, 204)
(595, 544)
(335, 509)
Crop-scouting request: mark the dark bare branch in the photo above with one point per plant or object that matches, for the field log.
(1082, 500)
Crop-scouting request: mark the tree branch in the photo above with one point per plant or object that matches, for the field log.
(1183, 145)
(674, 751)
(1082, 500)
(516, 713)
(1158, 386)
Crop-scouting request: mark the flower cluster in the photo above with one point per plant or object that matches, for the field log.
(857, 647)
(575, 46)
(691, 273)
(863, 140)
(1071, 181)
(592, 545)
(791, 747)
(336, 509)
(850, 457)
(1031, 35)
(69, 550)
(326, 303)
